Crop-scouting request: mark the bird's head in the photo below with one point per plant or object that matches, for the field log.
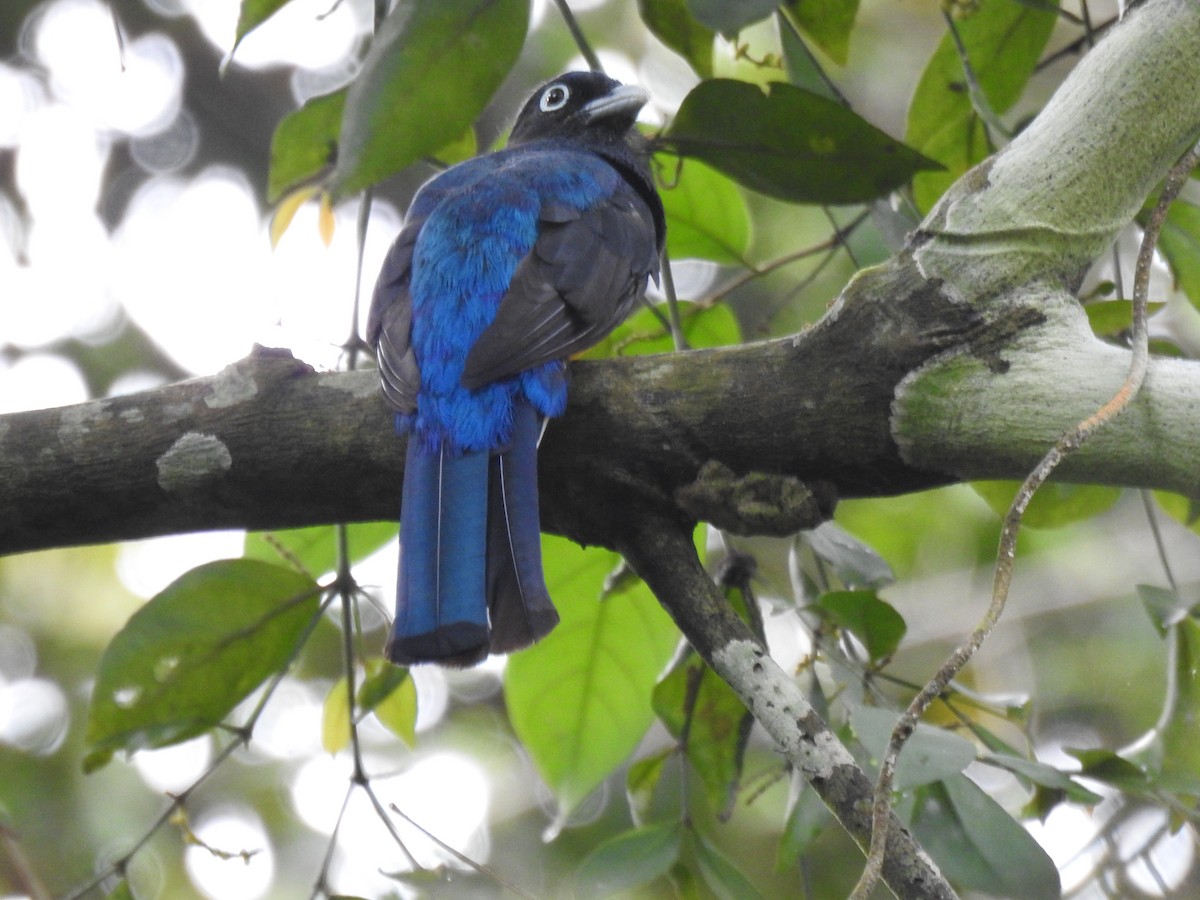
(580, 105)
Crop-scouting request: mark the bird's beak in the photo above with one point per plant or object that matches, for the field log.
(626, 98)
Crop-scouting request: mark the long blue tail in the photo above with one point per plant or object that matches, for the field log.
(517, 597)
(470, 577)
(441, 610)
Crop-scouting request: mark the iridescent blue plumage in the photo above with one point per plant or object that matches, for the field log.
(506, 265)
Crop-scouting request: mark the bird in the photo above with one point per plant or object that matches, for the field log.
(506, 265)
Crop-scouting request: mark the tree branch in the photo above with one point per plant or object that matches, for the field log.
(664, 556)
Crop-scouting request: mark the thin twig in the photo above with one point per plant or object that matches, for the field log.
(674, 322)
(1006, 555)
(979, 100)
(833, 242)
(817, 67)
(577, 35)
(461, 857)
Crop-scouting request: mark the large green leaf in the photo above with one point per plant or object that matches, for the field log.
(980, 846)
(790, 143)
(1110, 317)
(671, 23)
(931, 754)
(1054, 505)
(430, 71)
(706, 216)
(706, 715)
(719, 872)
(1003, 41)
(390, 693)
(629, 860)
(644, 332)
(641, 780)
(873, 621)
(730, 16)
(1179, 243)
(827, 22)
(580, 699)
(193, 652)
(314, 550)
(691, 696)
(252, 14)
(305, 143)
(1179, 734)
(806, 820)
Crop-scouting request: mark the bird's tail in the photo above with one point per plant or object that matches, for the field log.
(441, 610)
(471, 578)
(521, 611)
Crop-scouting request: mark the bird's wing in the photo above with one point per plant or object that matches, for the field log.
(389, 324)
(585, 271)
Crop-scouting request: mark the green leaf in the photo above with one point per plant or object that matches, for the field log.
(391, 694)
(1180, 733)
(644, 333)
(671, 23)
(1109, 317)
(1054, 505)
(930, 755)
(873, 621)
(806, 821)
(856, 563)
(1185, 510)
(314, 550)
(382, 678)
(1179, 243)
(580, 699)
(335, 718)
(629, 860)
(978, 845)
(707, 216)
(718, 729)
(1043, 775)
(790, 143)
(802, 66)
(193, 652)
(730, 17)
(305, 143)
(121, 892)
(723, 878)
(827, 22)
(1165, 607)
(1108, 767)
(1003, 41)
(641, 780)
(431, 70)
(252, 14)
(458, 150)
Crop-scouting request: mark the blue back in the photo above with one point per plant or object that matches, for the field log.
(477, 221)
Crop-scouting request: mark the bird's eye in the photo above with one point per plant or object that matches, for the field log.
(554, 98)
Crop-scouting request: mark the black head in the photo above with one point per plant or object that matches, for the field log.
(581, 105)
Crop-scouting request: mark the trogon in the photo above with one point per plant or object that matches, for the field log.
(506, 265)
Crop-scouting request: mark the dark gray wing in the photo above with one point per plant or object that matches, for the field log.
(389, 323)
(577, 284)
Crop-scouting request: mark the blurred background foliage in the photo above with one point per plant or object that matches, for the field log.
(138, 251)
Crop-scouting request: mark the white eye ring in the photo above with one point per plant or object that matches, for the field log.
(554, 97)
